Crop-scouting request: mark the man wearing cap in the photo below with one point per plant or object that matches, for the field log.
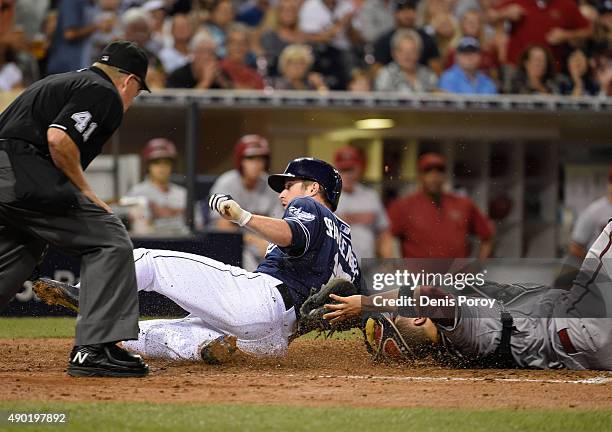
(432, 223)
(405, 18)
(247, 183)
(464, 77)
(361, 207)
(166, 201)
(48, 136)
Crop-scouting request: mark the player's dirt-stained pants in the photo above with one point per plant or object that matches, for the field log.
(586, 310)
(221, 300)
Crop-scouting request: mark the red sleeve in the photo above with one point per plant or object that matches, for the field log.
(504, 3)
(575, 19)
(450, 58)
(480, 225)
(395, 218)
(258, 82)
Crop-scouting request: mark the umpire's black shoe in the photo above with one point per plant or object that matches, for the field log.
(57, 293)
(105, 360)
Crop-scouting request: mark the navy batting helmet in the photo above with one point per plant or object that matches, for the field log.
(311, 169)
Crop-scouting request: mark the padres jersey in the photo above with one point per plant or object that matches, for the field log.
(321, 249)
(84, 104)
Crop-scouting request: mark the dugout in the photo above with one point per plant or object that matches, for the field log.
(531, 151)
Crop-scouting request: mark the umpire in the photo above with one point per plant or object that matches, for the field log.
(48, 136)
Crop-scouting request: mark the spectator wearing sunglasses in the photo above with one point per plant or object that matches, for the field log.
(433, 223)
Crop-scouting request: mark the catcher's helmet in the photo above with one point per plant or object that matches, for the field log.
(311, 169)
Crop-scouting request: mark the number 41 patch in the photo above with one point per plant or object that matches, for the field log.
(82, 119)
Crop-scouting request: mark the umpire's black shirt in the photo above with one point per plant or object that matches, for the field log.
(85, 104)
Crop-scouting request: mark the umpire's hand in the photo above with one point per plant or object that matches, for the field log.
(97, 201)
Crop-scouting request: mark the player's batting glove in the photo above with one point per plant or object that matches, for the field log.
(229, 209)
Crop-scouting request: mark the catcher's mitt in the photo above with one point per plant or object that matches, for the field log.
(312, 310)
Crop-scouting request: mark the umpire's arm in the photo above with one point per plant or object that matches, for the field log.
(67, 157)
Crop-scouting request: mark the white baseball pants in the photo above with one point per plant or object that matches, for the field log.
(221, 300)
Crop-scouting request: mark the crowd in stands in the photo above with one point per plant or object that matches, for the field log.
(400, 46)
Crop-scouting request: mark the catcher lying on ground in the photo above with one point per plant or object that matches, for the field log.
(533, 326)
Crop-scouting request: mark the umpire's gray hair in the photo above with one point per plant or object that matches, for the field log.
(201, 37)
(406, 34)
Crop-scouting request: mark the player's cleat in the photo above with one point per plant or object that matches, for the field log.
(57, 293)
(105, 360)
(219, 350)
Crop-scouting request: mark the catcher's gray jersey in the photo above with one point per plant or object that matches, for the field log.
(546, 319)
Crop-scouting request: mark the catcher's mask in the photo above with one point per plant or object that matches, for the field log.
(384, 340)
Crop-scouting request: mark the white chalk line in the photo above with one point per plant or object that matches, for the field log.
(594, 380)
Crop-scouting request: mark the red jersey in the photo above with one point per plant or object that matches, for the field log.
(539, 19)
(242, 77)
(429, 231)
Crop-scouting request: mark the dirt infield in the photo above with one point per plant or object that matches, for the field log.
(315, 373)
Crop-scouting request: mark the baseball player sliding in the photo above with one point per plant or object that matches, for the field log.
(533, 327)
(228, 306)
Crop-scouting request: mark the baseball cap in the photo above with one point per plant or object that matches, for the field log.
(348, 157)
(468, 44)
(127, 57)
(431, 160)
(159, 148)
(406, 4)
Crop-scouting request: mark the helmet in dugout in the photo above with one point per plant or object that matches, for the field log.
(250, 146)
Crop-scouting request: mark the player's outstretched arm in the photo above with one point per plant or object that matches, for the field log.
(276, 231)
(351, 306)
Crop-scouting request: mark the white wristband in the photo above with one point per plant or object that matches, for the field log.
(244, 218)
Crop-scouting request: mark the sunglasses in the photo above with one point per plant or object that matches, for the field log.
(140, 83)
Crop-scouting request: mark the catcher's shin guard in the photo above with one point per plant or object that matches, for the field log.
(383, 339)
(57, 293)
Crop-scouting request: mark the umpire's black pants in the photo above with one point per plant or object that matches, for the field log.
(108, 303)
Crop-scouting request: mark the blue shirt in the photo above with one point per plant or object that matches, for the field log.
(320, 250)
(65, 55)
(454, 80)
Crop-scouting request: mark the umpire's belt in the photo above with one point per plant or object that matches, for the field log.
(286, 295)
